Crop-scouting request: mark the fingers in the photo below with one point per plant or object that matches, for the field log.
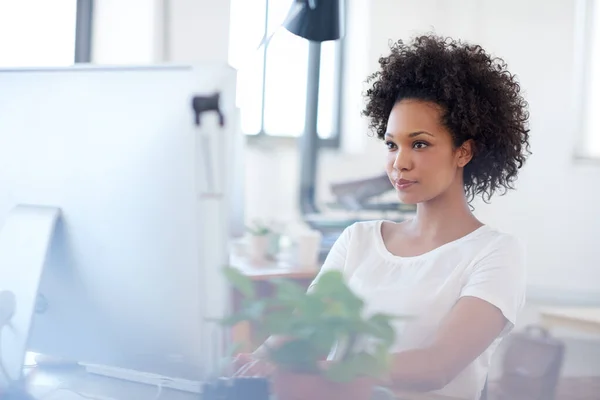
(255, 368)
(246, 365)
(248, 369)
(240, 360)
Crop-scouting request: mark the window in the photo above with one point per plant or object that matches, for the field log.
(593, 117)
(272, 79)
(36, 33)
(591, 78)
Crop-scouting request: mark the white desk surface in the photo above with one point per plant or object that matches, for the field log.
(76, 384)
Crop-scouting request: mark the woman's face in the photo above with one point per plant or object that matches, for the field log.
(422, 162)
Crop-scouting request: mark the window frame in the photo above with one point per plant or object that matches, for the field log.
(584, 41)
(334, 140)
(83, 31)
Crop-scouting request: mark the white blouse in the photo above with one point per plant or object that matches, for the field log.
(485, 263)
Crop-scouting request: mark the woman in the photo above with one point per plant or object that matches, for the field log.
(455, 126)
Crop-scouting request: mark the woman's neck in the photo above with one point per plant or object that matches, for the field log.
(447, 215)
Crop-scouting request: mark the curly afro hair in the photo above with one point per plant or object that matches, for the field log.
(479, 98)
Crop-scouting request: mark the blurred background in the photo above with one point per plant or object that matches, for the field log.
(553, 46)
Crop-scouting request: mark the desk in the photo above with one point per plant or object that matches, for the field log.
(74, 383)
(585, 319)
(262, 274)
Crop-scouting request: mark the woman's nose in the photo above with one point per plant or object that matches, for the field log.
(402, 160)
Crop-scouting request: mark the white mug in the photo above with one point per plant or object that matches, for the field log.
(258, 247)
(308, 248)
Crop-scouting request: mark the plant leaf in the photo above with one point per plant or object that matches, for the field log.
(278, 323)
(297, 355)
(379, 326)
(253, 310)
(324, 338)
(288, 291)
(332, 289)
(240, 282)
(232, 320)
(314, 322)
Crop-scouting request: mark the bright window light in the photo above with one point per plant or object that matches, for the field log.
(37, 33)
(272, 79)
(593, 91)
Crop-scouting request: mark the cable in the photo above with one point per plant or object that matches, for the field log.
(160, 389)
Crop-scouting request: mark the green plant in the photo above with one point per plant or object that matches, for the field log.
(313, 323)
(259, 229)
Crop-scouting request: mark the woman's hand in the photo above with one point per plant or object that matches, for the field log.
(325, 364)
(247, 365)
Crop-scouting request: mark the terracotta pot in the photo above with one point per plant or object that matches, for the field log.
(296, 386)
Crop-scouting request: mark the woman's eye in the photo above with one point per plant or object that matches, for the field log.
(419, 145)
(390, 145)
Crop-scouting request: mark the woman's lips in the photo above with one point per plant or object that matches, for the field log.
(403, 184)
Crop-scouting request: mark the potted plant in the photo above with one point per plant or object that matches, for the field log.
(259, 240)
(328, 320)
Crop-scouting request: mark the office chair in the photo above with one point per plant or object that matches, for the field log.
(484, 392)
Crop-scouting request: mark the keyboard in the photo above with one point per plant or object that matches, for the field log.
(144, 377)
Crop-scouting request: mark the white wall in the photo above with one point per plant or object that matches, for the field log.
(127, 32)
(198, 30)
(554, 211)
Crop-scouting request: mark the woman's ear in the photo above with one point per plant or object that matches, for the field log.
(465, 153)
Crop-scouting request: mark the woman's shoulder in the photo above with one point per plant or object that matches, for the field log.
(359, 233)
(363, 229)
(498, 240)
(495, 248)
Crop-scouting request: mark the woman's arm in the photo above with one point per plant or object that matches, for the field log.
(471, 326)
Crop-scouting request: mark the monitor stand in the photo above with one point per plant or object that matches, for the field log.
(16, 391)
(25, 239)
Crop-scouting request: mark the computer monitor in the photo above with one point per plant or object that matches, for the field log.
(134, 189)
